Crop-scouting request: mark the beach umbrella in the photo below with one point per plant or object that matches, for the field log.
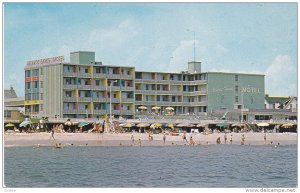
(155, 108)
(170, 108)
(185, 125)
(9, 125)
(263, 124)
(156, 125)
(127, 125)
(142, 107)
(143, 125)
(237, 125)
(201, 125)
(83, 123)
(25, 123)
(171, 125)
(287, 125)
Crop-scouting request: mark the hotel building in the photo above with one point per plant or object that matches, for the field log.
(81, 88)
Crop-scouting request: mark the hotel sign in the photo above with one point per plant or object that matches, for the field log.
(46, 61)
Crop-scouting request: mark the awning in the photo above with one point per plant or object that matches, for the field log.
(263, 124)
(222, 125)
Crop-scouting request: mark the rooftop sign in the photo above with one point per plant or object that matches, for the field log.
(45, 61)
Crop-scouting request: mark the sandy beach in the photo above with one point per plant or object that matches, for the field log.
(124, 139)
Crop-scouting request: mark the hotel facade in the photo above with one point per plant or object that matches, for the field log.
(81, 89)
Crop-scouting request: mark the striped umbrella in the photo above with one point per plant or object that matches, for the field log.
(127, 125)
(287, 125)
(9, 125)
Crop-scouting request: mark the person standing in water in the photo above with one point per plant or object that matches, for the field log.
(132, 139)
(164, 138)
(243, 140)
(265, 138)
(231, 139)
(225, 138)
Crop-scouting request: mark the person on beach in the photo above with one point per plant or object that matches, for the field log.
(52, 134)
(140, 142)
(265, 138)
(164, 138)
(225, 138)
(243, 140)
(231, 139)
(218, 141)
(184, 137)
(191, 141)
(132, 139)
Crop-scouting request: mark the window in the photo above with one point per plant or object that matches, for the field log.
(7, 114)
(86, 70)
(236, 88)
(41, 71)
(42, 96)
(41, 107)
(68, 93)
(27, 96)
(236, 99)
(27, 73)
(98, 70)
(173, 98)
(35, 84)
(27, 85)
(236, 78)
(41, 84)
(128, 72)
(128, 95)
(128, 108)
(97, 82)
(115, 95)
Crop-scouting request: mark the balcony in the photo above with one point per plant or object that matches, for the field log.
(70, 74)
(195, 82)
(114, 100)
(176, 81)
(127, 77)
(127, 112)
(127, 100)
(85, 87)
(193, 93)
(114, 88)
(84, 75)
(84, 99)
(127, 88)
(101, 111)
(163, 81)
(70, 86)
(116, 112)
(98, 75)
(69, 99)
(103, 100)
(69, 111)
(99, 87)
(113, 76)
(145, 80)
(83, 111)
(145, 92)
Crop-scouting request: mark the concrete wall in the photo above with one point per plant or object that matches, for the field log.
(222, 91)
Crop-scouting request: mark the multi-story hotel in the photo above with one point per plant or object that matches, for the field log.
(81, 89)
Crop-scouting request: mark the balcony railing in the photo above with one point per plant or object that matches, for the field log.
(127, 100)
(115, 76)
(83, 111)
(127, 112)
(99, 87)
(98, 75)
(84, 75)
(70, 74)
(69, 111)
(69, 99)
(115, 100)
(70, 86)
(101, 111)
(114, 88)
(84, 99)
(127, 77)
(85, 87)
(127, 88)
(97, 99)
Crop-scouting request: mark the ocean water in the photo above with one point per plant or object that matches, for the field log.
(181, 166)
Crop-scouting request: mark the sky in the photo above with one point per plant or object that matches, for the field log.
(229, 37)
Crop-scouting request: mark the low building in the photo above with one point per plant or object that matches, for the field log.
(13, 106)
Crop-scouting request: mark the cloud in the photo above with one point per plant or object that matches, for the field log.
(116, 36)
(281, 76)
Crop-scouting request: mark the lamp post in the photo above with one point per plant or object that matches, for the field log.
(110, 96)
(194, 44)
(242, 107)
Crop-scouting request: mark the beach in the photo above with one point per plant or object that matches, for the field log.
(124, 139)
